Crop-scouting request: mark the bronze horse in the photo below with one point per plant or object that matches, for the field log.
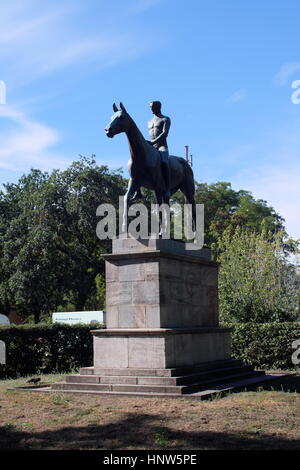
(144, 165)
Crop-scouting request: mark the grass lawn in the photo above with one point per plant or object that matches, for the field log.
(261, 419)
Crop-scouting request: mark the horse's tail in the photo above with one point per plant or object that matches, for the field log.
(188, 189)
(189, 176)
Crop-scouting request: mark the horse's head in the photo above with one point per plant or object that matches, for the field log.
(119, 121)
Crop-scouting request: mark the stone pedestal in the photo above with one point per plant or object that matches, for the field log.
(163, 336)
(161, 307)
(160, 348)
(157, 285)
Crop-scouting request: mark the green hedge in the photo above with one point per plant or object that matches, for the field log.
(265, 345)
(45, 348)
(62, 348)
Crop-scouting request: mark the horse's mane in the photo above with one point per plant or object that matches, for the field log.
(143, 141)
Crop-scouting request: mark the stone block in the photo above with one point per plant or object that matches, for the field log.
(82, 379)
(131, 270)
(159, 348)
(145, 292)
(118, 293)
(112, 316)
(146, 352)
(111, 351)
(153, 316)
(151, 269)
(118, 380)
(111, 272)
(132, 316)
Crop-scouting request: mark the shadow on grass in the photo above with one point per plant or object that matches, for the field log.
(290, 383)
(138, 432)
(285, 384)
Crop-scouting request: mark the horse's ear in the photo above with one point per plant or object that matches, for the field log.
(122, 107)
(115, 107)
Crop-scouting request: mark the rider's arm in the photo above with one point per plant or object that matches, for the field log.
(165, 132)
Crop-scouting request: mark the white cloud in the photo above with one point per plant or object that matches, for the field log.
(39, 38)
(285, 72)
(28, 143)
(275, 176)
(279, 186)
(35, 41)
(237, 96)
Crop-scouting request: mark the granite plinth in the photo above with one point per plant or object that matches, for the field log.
(148, 287)
(163, 336)
(160, 348)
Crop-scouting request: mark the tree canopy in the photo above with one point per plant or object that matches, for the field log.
(226, 207)
(257, 282)
(50, 254)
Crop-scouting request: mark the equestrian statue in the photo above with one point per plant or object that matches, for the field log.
(150, 165)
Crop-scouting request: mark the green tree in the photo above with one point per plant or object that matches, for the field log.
(224, 207)
(50, 254)
(72, 197)
(257, 283)
(97, 299)
(31, 274)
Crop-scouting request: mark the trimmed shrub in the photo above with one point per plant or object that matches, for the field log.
(265, 345)
(45, 348)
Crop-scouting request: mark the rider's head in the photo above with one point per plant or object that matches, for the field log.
(155, 107)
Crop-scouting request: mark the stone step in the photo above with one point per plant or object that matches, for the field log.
(235, 385)
(153, 388)
(213, 374)
(170, 372)
(147, 380)
(221, 382)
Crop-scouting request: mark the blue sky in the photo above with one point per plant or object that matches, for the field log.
(223, 70)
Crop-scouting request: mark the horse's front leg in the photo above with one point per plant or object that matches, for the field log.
(163, 216)
(137, 195)
(132, 188)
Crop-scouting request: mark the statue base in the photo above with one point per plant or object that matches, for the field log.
(163, 334)
(160, 347)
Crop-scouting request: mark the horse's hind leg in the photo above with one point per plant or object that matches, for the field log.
(163, 215)
(189, 194)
